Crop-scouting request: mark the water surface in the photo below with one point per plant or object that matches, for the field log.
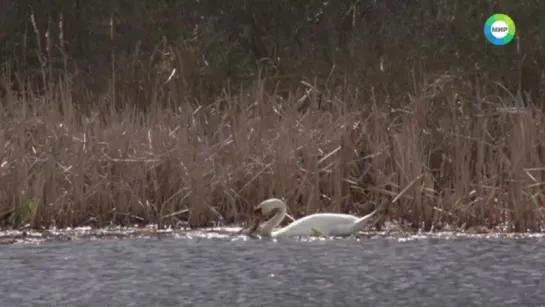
(204, 271)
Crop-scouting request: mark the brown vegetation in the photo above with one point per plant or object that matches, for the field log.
(166, 135)
(463, 163)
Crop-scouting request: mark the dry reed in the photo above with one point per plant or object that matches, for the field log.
(463, 164)
(447, 156)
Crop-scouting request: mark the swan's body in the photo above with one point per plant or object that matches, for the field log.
(325, 224)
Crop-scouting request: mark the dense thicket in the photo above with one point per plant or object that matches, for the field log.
(213, 43)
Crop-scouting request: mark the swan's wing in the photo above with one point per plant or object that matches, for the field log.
(348, 229)
(324, 224)
(341, 230)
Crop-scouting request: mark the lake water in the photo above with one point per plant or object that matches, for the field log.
(224, 271)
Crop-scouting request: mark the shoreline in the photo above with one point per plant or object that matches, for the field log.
(14, 236)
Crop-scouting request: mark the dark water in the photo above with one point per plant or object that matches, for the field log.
(287, 272)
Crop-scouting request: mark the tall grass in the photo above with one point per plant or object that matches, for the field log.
(439, 160)
(151, 144)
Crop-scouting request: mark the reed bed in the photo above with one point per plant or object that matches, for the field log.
(158, 135)
(443, 158)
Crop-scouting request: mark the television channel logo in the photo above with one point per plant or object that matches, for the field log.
(499, 29)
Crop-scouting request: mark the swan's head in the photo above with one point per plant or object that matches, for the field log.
(266, 207)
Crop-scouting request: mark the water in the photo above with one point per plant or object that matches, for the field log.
(264, 272)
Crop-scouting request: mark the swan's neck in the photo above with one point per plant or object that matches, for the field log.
(274, 221)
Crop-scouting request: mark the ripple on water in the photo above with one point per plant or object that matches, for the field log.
(212, 268)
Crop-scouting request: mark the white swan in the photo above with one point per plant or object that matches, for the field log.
(325, 224)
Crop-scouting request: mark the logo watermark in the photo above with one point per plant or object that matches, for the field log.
(499, 29)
